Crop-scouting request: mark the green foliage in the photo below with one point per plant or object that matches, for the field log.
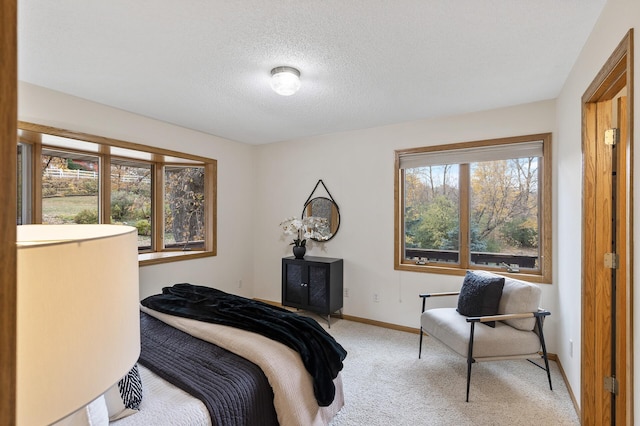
(121, 204)
(144, 227)
(520, 232)
(88, 186)
(439, 219)
(71, 165)
(477, 244)
(86, 217)
(493, 246)
(66, 187)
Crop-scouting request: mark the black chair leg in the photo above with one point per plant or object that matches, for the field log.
(544, 350)
(470, 359)
(424, 301)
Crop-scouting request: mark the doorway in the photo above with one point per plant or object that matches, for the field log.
(607, 212)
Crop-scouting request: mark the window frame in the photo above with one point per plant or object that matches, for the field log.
(544, 275)
(159, 158)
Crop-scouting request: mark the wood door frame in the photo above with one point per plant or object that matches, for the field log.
(8, 153)
(615, 75)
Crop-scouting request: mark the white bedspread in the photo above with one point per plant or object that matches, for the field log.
(294, 400)
(164, 404)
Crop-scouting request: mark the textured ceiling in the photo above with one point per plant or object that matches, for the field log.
(205, 64)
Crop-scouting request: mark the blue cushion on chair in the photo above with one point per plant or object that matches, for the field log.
(480, 296)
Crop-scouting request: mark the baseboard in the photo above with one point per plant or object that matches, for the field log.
(566, 383)
(381, 324)
(355, 319)
(551, 356)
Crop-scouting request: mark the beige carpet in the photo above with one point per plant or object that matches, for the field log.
(386, 384)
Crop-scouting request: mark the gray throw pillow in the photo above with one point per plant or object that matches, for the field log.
(480, 296)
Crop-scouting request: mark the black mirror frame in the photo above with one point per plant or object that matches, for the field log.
(333, 205)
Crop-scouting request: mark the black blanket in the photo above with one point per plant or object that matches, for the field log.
(234, 390)
(321, 355)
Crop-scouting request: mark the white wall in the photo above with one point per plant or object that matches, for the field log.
(616, 19)
(236, 179)
(358, 169)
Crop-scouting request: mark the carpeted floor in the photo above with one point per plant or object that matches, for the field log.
(386, 384)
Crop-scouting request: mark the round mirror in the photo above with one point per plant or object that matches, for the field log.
(323, 216)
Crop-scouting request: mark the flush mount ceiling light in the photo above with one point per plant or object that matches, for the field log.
(285, 81)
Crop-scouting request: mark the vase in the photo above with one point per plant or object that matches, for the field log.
(299, 251)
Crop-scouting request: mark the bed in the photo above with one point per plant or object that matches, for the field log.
(258, 369)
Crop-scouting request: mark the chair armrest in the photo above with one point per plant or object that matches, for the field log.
(425, 295)
(448, 293)
(502, 317)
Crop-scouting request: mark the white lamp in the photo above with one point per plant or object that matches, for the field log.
(78, 318)
(285, 81)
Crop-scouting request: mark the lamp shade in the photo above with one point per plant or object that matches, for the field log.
(285, 81)
(78, 325)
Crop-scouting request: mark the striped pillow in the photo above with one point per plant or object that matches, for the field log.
(124, 398)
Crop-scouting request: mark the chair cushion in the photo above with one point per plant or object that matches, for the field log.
(480, 295)
(517, 297)
(452, 329)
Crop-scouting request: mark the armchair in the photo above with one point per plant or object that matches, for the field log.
(508, 326)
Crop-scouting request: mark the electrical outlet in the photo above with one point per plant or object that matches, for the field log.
(239, 283)
(571, 348)
(376, 298)
(346, 292)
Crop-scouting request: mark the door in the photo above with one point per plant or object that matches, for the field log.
(294, 279)
(606, 389)
(318, 286)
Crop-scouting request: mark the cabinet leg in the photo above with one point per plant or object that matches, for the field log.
(329, 320)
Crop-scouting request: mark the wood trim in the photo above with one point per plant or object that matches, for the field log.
(104, 197)
(615, 75)
(398, 202)
(546, 220)
(587, 374)
(474, 144)
(623, 298)
(629, 150)
(157, 240)
(576, 406)
(211, 207)
(147, 259)
(36, 182)
(464, 216)
(39, 128)
(8, 200)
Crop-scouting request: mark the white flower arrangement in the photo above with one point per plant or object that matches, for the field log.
(308, 227)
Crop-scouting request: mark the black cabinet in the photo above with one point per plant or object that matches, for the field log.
(313, 284)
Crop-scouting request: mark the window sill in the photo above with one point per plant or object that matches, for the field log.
(438, 269)
(146, 259)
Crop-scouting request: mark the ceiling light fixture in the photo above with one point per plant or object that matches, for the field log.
(285, 81)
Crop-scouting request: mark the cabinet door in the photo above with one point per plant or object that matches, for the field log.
(318, 286)
(294, 291)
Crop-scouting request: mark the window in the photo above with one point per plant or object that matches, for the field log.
(130, 201)
(69, 187)
(23, 180)
(184, 207)
(168, 197)
(477, 205)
